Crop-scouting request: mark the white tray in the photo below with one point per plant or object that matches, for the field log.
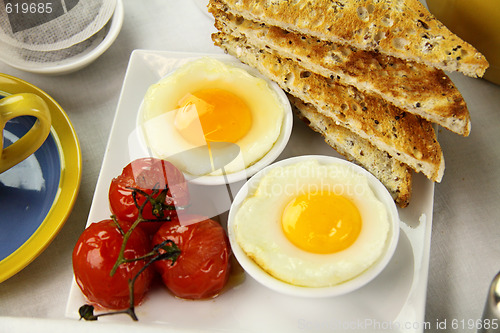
(394, 301)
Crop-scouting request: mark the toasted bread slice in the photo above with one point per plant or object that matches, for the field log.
(420, 89)
(400, 28)
(396, 176)
(406, 137)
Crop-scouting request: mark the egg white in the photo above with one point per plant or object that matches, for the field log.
(259, 233)
(158, 112)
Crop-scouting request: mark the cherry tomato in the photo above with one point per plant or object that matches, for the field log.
(202, 269)
(94, 256)
(146, 175)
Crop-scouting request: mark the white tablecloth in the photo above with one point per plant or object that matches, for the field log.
(465, 251)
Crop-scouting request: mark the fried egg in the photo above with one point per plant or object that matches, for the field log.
(312, 224)
(206, 108)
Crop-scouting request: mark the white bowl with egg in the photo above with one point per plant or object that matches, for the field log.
(273, 211)
(218, 120)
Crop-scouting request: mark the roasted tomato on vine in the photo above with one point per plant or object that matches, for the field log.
(94, 256)
(160, 180)
(202, 269)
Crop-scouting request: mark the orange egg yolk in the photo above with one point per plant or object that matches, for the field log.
(321, 222)
(223, 116)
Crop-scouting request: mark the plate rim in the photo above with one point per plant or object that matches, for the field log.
(69, 150)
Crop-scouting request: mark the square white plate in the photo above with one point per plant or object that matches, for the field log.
(394, 301)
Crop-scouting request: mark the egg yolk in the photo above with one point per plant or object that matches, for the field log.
(321, 222)
(224, 117)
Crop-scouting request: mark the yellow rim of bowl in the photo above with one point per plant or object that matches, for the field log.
(69, 183)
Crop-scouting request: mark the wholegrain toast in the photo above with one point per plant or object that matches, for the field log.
(420, 89)
(400, 28)
(406, 137)
(396, 176)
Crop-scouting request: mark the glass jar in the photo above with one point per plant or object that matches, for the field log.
(478, 23)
